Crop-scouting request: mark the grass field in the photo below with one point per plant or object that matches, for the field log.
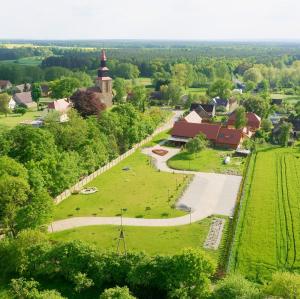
(200, 90)
(208, 160)
(268, 237)
(31, 61)
(14, 119)
(143, 191)
(292, 99)
(153, 240)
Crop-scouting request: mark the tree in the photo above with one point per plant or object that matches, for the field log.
(64, 87)
(236, 287)
(36, 93)
(197, 144)
(116, 293)
(87, 102)
(182, 74)
(4, 101)
(240, 118)
(266, 125)
(253, 74)
(257, 105)
(220, 88)
(171, 93)
(284, 133)
(120, 88)
(84, 79)
(139, 97)
(283, 285)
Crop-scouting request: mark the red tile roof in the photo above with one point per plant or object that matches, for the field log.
(23, 97)
(4, 83)
(190, 130)
(253, 120)
(229, 136)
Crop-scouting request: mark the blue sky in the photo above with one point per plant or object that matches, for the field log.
(151, 19)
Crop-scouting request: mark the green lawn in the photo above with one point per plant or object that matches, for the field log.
(208, 160)
(158, 138)
(292, 99)
(268, 236)
(143, 191)
(14, 119)
(153, 240)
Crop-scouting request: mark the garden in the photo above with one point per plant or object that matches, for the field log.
(133, 185)
(266, 238)
(208, 160)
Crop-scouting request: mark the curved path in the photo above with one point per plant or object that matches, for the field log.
(207, 194)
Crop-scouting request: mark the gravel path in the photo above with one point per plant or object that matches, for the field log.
(207, 194)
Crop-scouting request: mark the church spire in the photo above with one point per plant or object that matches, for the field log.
(103, 70)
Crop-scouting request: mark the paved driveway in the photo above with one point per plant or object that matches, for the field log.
(207, 194)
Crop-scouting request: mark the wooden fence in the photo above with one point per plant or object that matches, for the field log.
(109, 165)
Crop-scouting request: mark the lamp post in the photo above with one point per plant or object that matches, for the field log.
(190, 209)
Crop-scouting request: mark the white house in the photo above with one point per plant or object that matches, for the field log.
(12, 104)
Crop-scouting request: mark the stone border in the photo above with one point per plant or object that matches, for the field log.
(214, 236)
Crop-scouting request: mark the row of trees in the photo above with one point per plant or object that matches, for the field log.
(84, 270)
(56, 156)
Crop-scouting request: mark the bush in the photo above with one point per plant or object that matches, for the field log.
(20, 110)
(116, 293)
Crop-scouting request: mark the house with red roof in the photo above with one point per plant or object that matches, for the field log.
(182, 131)
(62, 107)
(253, 121)
(24, 99)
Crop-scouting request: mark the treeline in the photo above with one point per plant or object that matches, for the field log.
(56, 156)
(37, 267)
(21, 52)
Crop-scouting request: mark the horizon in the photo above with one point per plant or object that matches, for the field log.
(192, 20)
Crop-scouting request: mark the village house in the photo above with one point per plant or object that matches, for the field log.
(23, 87)
(24, 99)
(205, 111)
(220, 104)
(253, 121)
(4, 85)
(182, 131)
(193, 117)
(62, 107)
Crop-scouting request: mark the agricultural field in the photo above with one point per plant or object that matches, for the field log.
(199, 90)
(142, 190)
(208, 160)
(31, 61)
(152, 240)
(267, 237)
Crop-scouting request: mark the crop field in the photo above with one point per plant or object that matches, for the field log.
(268, 233)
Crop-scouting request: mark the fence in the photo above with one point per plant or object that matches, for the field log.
(109, 165)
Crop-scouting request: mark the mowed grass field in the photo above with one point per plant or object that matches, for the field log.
(208, 160)
(142, 190)
(152, 240)
(13, 120)
(268, 235)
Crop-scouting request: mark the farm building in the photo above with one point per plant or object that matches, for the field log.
(205, 111)
(220, 103)
(253, 121)
(182, 131)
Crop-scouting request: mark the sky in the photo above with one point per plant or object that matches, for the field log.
(150, 19)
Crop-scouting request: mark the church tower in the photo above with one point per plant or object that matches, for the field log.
(104, 82)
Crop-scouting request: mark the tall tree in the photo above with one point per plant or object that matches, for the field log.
(197, 144)
(64, 87)
(36, 93)
(220, 88)
(240, 118)
(284, 134)
(139, 97)
(4, 101)
(120, 88)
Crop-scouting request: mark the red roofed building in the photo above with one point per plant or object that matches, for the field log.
(253, 121)
(230, 138)
(182, 131)
(62, 107)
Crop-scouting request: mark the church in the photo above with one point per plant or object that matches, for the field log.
(104, 82)
(103, 85)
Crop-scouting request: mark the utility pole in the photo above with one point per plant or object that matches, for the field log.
(121, 237)
(190, 215)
